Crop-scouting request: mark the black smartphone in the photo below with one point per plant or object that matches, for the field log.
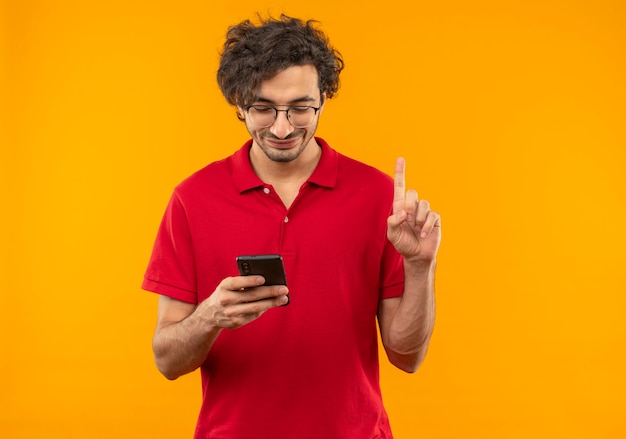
(271, 267)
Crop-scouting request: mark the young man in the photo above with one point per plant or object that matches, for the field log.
(356, 248)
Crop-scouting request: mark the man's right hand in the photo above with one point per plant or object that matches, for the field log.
(241, 299)
(185, 332)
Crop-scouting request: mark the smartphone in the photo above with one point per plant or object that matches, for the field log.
(271, 267)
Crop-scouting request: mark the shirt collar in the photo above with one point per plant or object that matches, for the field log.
(244, 177)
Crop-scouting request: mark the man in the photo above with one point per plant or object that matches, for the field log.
(356, 248)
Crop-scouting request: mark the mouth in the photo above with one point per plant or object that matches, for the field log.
(282, 143)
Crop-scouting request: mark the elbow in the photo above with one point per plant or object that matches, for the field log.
(169, 375)
(406, 361)
(411, 363)
(406, 353)
(165, 369)
(164, 363)
(408, 369)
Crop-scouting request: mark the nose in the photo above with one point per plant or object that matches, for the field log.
(281, 127)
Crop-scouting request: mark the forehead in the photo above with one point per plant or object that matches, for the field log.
(291, 84)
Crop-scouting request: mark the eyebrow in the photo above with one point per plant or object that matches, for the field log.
(305, 98)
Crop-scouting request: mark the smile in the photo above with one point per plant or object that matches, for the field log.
(282, 144)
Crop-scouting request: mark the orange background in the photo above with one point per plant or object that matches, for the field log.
(511, 116)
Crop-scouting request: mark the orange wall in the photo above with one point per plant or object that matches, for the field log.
(512, 121)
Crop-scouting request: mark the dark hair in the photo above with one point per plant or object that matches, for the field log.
(253, 53)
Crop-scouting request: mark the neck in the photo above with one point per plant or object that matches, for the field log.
(295, 172)
(286, 177)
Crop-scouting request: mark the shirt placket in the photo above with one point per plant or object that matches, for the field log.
(286, 214)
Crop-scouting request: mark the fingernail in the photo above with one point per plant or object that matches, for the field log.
(423, 234)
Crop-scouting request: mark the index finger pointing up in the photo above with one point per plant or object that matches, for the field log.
(398, 185)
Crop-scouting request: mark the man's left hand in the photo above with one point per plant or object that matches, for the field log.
(412, 228)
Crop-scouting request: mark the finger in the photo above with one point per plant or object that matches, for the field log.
(432, 220)
(255, 308)
(398, 185)
(263, 293)
(238, 283)
(245, 308)
(240, 315)
(423, 207)
(393, 225)
(411, 206)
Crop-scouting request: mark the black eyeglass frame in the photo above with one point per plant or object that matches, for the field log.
(276, 111)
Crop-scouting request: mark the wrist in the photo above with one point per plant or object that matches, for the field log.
(202, 320)
(417, 263)
(420, 268)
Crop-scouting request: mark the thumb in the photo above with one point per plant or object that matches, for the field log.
(394, 222)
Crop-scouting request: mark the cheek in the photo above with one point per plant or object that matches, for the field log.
(251, 130)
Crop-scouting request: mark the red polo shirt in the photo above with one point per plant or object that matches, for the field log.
(309, 369)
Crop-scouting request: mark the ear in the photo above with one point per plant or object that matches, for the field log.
(323, 102)
(241, 114)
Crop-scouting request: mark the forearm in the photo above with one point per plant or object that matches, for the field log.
(186, 333)
(411, 326)
(181, 347)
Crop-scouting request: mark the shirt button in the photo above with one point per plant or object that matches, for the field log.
(266, 190)
(286, 219)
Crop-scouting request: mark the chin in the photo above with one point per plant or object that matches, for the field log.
(283, 156)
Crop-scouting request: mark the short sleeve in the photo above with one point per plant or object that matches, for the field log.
(171, 270)
(392, 272)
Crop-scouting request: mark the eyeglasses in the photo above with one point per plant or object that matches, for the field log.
(264, 116)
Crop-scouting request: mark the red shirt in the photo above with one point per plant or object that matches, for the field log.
(309, 369)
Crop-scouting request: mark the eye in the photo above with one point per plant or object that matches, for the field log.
(299, 110)
(262, 109)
